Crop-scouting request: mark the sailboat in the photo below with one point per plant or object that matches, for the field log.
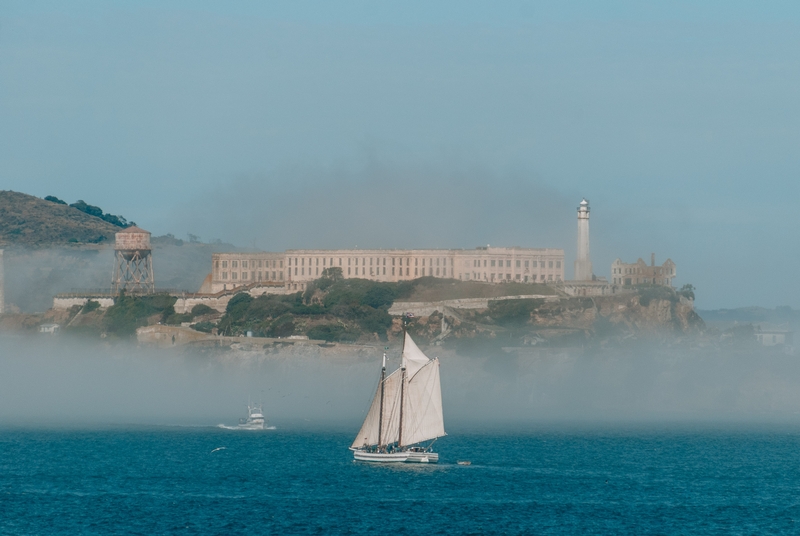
(405, 413)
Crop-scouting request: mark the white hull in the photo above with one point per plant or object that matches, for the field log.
(246, 427)
(406, 456)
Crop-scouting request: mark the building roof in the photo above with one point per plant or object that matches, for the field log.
(133, 230)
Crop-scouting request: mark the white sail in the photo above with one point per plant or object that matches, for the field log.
(413, 358)
(423, 419)
(368, 435)
(391, 408)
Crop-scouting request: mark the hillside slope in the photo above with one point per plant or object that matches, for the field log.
(28, 221)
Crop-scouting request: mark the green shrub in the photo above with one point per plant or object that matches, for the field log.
(205, 327)
(131, 312)
(238, 305)
(90, 305)
(202, 309)
(281, 327)
(325, 332)
(333, 332)
(374, 320)
(177, 319)
(513, 312)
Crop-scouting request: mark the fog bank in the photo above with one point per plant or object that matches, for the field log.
(64, 382)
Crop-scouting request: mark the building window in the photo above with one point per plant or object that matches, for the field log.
(437, 271)
(416, 271)
(348, 270)
(526, 264)
(363, 271)
(558, 264)
(518, 277)
(541, 264)
(518, 264)
(234, 275)
(316, 270)
(493, 263)
(224, 275)
(407, 269)
(508, 264)
(224, 264)
(244, 265)
(550, 264)
(234, 264)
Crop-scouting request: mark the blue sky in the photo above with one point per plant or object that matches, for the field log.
(419, 124)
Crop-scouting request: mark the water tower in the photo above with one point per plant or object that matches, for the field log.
(133, 264)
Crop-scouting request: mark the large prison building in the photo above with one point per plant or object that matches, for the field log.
(295, 268)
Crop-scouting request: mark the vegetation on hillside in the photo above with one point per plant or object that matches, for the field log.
(331, 309)
(92, 210)
(336, 309)
(30, 221)
(131, 312)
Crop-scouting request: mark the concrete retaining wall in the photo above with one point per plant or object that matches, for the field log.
(427, 308)
(66, 303)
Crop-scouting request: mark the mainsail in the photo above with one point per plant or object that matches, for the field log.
(422, 417)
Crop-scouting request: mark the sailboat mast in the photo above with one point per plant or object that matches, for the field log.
(402, 382)
(380, 415)
(402, 385)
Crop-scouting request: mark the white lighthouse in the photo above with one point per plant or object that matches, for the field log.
(583, 266)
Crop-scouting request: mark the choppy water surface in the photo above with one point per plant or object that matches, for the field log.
(168, 480)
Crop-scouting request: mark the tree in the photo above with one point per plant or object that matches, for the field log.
(238, 305)
(54, 199)
(91, 210)
(333, 273)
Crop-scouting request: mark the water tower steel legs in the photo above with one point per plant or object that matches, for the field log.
(134, 275)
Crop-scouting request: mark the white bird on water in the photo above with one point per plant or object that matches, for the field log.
(216, 449)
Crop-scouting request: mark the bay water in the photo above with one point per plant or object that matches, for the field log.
(698, 479)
